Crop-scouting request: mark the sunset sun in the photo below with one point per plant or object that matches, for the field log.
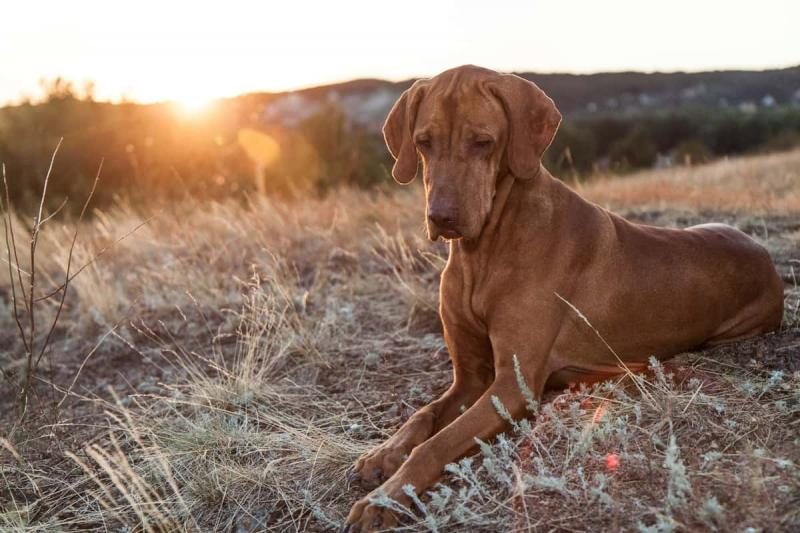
(193, 104)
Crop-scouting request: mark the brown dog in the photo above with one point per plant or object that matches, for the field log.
(526, 255)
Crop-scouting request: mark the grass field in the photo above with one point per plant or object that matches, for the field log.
(222, 366)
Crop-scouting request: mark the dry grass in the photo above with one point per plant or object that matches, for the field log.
(247, 354)
(756, 185)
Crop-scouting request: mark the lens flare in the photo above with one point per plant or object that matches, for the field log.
(193, 105)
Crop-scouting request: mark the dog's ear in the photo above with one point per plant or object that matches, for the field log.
(532, 122)
(397, 132)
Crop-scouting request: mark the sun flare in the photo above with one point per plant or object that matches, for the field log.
(193, 105)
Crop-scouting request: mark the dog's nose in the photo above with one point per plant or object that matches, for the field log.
(441, 218)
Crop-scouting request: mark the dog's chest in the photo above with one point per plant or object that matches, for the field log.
(471, 289)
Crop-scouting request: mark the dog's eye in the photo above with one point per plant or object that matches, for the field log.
(423, 143)
(482, 144)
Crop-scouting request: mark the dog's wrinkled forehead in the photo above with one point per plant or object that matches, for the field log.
(459, 95)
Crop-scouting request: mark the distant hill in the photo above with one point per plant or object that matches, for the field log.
(633, 91)
(577, 95)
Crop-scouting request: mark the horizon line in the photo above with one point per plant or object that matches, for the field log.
(122, 99)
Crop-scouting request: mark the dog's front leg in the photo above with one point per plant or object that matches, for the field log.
(471, 377)
(426, 462)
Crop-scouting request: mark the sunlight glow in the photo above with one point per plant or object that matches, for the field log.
(193, 105)
(260, 147)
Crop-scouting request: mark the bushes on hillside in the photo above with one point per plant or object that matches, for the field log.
(635, 150)
(154, 150)
(622, 143)
(573, 152)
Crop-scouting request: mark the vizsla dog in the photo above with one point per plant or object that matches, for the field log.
(527, 254)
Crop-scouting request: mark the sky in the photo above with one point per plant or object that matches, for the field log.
(156, 50)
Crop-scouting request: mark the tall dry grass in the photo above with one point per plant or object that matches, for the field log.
(754, 185)
(224, 364)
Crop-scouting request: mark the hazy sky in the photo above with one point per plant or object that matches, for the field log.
(151, 50)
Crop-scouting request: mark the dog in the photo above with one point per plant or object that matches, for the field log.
(539, 276)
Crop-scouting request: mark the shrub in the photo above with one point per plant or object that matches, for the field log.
(574, 150)
(635, 150)
(692, 151)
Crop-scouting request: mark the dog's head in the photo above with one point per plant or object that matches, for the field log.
(469, 126)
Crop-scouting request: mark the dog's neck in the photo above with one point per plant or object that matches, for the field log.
(534, 197)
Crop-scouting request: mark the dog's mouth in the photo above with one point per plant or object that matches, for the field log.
(450, 234)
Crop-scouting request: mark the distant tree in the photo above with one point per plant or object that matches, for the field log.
(88, 92)
(58, 89)
(574, 150)
(635, 150)
(347, 154)
(692, 152)
(668, 130)
(735, 133)
(785, 139)
(607, 130)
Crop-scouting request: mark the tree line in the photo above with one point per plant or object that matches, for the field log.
(153, 151)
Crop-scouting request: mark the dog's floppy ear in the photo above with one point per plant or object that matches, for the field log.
(532, 122)
(397, 131)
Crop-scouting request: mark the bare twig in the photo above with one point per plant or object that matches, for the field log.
(11, 244)
(29, 367)
(11, 230)
(57, 209)
(33, 350)
(69, 264)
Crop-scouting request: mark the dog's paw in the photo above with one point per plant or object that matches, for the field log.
(378, 465)
(365, 516)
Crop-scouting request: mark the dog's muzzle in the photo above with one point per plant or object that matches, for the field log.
(445, 221)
